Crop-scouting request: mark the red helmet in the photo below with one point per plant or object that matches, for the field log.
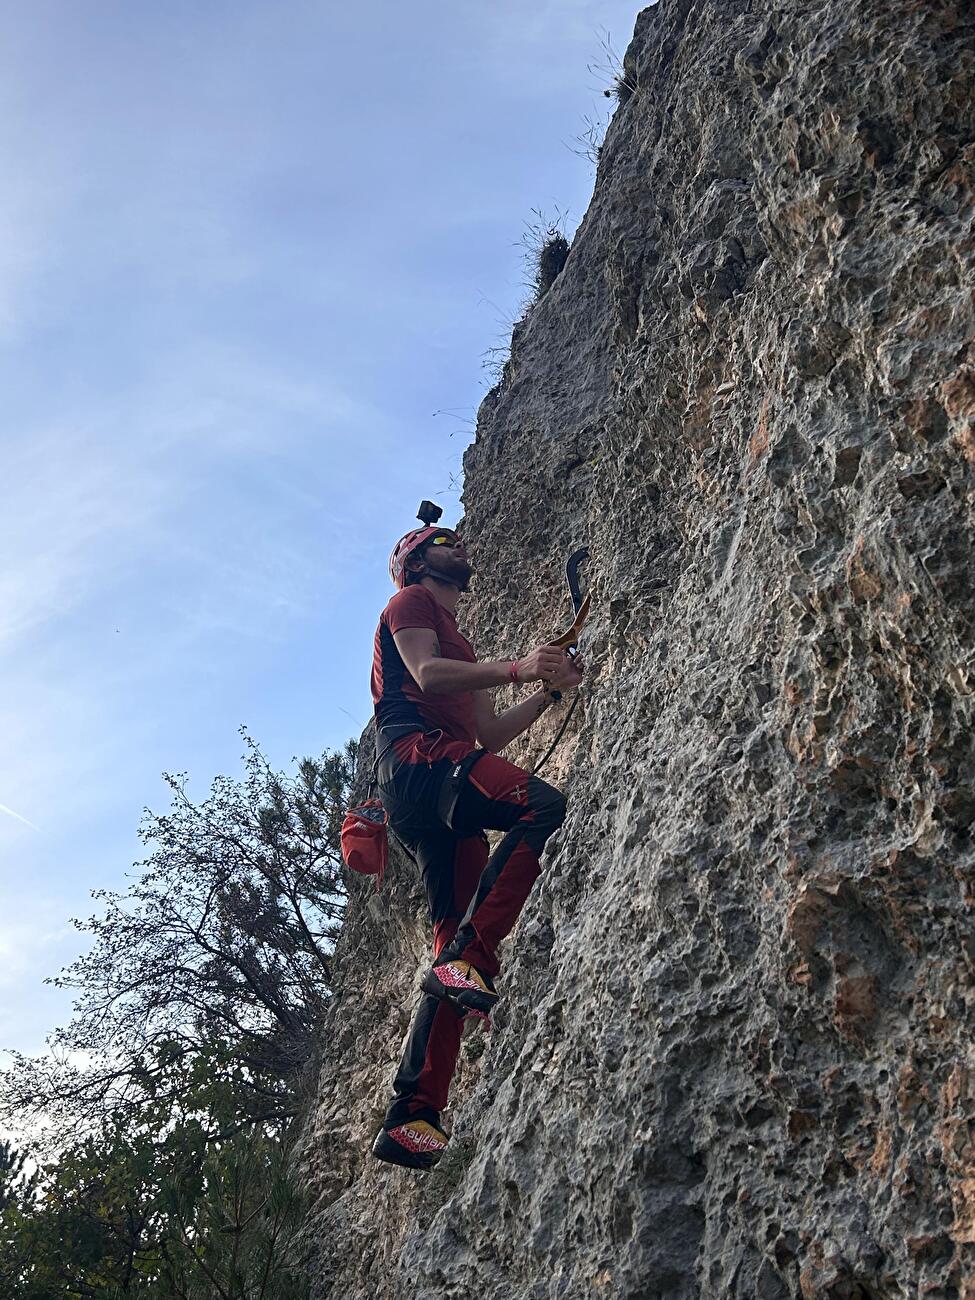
(406, 546)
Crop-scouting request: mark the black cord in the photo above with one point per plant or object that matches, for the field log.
(561, 732)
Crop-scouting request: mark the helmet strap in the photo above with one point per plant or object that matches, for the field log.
(438, 577)
(447, 582)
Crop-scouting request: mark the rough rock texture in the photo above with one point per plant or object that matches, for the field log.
(736, 1056)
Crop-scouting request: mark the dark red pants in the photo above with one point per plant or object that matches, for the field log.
(441, 796)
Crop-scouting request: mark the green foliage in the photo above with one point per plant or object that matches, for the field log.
(165, 1111)
(12, 1172)
(474, 1047)
(166, 1209)
(225, 936)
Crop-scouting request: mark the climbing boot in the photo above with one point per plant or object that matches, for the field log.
(462, 985)
(415, 1143)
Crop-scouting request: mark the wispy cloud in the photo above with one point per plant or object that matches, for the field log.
(10, 813)
(218, 437)
(69, 497)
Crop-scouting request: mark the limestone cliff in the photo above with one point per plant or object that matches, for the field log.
(735, 1056)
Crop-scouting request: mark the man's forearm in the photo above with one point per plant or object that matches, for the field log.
(451, 676)
(516, 719)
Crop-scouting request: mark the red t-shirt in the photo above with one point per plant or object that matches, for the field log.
(397, 698)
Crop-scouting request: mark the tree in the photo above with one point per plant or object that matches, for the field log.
(170, 1098)
(162, 1209)
(219, 951)
(12, 1172)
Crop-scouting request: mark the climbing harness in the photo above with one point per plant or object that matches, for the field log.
(569, 642)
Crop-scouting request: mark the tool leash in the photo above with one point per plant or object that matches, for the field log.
(559, 734)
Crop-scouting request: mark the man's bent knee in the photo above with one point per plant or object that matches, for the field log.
(548, 804)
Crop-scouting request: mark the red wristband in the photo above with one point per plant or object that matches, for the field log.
(513, 670)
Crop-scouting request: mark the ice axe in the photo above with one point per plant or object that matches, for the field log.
(569, 640)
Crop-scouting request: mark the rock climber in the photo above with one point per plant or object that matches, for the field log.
(442, 785)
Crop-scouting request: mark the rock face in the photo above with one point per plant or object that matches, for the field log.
(735, 1056)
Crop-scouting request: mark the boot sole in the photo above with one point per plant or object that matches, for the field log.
(388, 1149)
(463, 999)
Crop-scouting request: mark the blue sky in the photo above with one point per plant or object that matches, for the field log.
(247, 250)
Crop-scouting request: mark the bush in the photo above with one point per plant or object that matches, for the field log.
(552, 256)
(546, 251)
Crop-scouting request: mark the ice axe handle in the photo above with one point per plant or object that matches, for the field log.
(571, 649)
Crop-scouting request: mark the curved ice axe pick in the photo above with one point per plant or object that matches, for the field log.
(569, 640)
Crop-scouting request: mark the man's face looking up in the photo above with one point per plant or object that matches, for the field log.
(445, 554)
